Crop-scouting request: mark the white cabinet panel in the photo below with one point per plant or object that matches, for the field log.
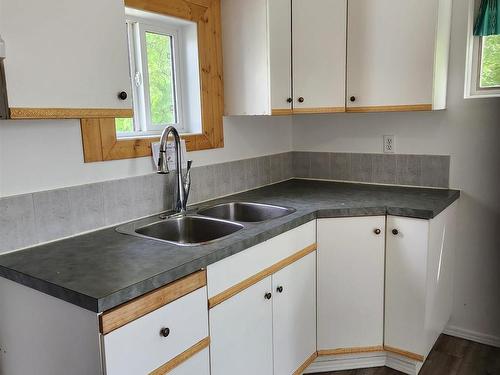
(245, 57)
(393, 50)
(350, 282)
(319, 50)
(280, 50)
(238, 267)
(294, 315)
(241, 333)
(70, 54)
(199, 364)
(138, 347)
(405, 287)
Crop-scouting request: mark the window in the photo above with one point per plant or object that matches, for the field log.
(483, 61)
(164, 75)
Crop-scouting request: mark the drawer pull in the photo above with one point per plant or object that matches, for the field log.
(268, 295)
(165, 332)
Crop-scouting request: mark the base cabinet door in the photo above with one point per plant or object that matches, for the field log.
(241, 333)
(294, 315)
(405, 285)
(350, 283)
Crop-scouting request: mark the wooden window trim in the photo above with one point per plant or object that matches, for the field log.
(100, 142)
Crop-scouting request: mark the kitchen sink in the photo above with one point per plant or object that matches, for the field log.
(245, 212)
(183, 230)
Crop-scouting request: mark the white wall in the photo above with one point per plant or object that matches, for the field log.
(42, 155)
(469, 131)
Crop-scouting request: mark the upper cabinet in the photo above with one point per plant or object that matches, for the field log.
(397, 54)
(321, 56)
(318, 30)
(71, 56)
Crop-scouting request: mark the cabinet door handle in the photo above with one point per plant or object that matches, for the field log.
(268, 295)
(352, 98)
(289, 100)
(279, 289)
(395, 232)
(122, 95)
(301, 100)
(164, 332)
(377, 231)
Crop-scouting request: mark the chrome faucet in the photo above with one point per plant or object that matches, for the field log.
(183, 181)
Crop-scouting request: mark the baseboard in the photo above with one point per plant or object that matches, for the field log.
(467, 334)
(364, 360)
(346, 362)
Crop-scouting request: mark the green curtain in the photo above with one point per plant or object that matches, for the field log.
(488, 19)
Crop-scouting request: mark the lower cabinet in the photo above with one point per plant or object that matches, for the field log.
(269, 327)
(350, 284)
(241, 332)
(294, 315)
(419, 282)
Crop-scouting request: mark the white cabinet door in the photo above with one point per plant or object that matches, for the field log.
(294, 315)
(280, 54)
(390, 52)
(199, 364)
(241, 333)
(405, 283)
(319, 55)
(350, 282)
(70, 54)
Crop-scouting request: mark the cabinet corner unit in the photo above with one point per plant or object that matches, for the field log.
(284, 57)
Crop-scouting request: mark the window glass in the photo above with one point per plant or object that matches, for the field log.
(490, 62)
(161, 78)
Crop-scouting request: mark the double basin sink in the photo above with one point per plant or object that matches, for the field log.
(207, 225)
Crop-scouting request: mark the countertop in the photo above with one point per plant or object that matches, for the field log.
(100, 270)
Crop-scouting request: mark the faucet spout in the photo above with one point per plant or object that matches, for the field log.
(183, 182)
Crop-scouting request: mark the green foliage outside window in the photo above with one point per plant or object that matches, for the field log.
(161, 82)
(490, 62)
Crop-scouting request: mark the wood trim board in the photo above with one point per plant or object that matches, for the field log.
(282, 112)
(361, 349)
(235, 289)
(300, 111)
(306, 364)
(391, 108)
(404, 353)
(181, 358)
(136, 308)
(68, 113)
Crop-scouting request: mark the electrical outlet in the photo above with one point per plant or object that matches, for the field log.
(389, 145)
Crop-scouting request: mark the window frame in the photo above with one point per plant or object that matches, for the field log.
(137, 28)
(473, 64)
(99, 139)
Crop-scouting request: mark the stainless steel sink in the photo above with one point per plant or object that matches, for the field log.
(183, 230)
(246, 212)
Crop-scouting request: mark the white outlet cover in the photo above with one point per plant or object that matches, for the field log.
(389, 145)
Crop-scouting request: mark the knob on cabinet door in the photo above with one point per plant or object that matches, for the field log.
(279, 289)
(377, 231)
(352, 98)
(268, 295)
(301, 99)
(395, 232)
(165, 332)
(289, 100)
(122, 95)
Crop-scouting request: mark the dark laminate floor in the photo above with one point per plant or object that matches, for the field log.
(450, 356)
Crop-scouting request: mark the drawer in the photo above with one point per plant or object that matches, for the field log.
(139, 348)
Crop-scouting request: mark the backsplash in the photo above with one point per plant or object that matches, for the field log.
(395, 169)
(44, 216)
